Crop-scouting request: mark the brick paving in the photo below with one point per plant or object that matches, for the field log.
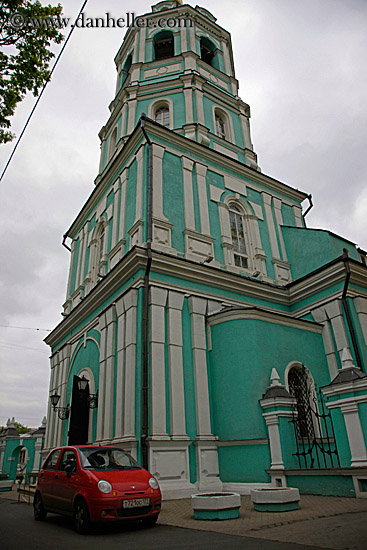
(325, 522)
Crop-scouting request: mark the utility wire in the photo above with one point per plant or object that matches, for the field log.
(26, 328)
(43, 89)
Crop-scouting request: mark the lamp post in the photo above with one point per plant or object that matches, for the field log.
(63, 412)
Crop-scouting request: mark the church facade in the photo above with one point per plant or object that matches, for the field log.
(206, 329)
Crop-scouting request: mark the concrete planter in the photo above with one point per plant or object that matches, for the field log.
(216, 506)
(275, 499)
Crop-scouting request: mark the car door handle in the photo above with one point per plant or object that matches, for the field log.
(56, 476)
(42, 474)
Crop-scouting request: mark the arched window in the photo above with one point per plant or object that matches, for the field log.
(164, 45)
(207, 51)
(301, 386)
(220, 126)
(240, 249)
(161, 116)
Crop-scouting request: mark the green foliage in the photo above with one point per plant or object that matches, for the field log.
(25, 55)
(21, 429)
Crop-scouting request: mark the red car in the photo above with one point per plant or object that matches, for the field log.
(95, 484)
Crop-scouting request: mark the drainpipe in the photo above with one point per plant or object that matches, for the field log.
(64, 243)
(145, 422)
(345, 259)
(310, 205)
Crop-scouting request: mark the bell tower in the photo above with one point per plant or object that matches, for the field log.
(176, 66)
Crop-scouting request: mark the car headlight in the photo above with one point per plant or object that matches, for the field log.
(153, 483)
(104, 486)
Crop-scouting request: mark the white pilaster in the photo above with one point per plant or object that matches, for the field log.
(320, 317)
(130, 305)
(335, 313)
(142, 31)
(158, 298)
(360, 303)
(279, 220)
(123, 205)
(187, 165)
(120, 369)
(139, 184)
(72, 257)
(203, 198)
(272, 422)
(158, 152)
(270, 223)
(116, 204)
(355, 434)
(199, 106)
(203, 424)
(176, 378)
(297, 212)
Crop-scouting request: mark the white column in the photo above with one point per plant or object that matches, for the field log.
(130, 305)
(187, 165)
(116, 204)
(355, 434)
(142, 32)
(109, 372)
(158, 298)
(158, 152)
(132, 110)
(279, 219)
(79, 259)
(227, 61)
(123, 205)
(83, 253)
(72, 256)
(136, 49)
(197, 308)
(120, 372)
(334, 311)
(183, 38)
(203, 198)
(361, 306)
(272, 422)
(199, 107)
(320, 317)
(189, 106)
(297, 212)
(139, 183)
(270, 223)
(102, 377)
(176, 377)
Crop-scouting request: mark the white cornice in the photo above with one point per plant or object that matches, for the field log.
(260, 314)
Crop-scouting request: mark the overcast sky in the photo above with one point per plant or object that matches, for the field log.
(301, 67)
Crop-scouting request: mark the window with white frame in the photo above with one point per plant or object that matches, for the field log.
(162, 116)
(220, 126)
(240, 247)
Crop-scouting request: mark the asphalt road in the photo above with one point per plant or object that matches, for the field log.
(19, 531)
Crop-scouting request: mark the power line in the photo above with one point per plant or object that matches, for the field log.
(43, 89)
(26, 328)
(20, 348)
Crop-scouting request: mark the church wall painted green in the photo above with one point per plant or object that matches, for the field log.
(309, 249)
(244, 463)
(241, 374)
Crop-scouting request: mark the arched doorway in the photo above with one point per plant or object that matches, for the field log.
(79, 414)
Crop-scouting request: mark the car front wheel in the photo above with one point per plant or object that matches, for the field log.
(81, 517)
(38, 508)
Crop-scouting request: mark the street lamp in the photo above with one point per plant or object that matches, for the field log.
(92, 397)
(63, 412)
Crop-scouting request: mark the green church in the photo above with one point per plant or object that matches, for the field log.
(206, 329)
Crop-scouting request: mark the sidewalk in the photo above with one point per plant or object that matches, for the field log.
(325, 522)
(336, 523)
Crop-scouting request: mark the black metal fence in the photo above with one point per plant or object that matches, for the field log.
(313, 426)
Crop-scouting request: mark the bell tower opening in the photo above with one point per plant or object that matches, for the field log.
(164, 45)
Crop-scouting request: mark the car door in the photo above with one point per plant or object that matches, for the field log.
(46, 478)
(66, 481)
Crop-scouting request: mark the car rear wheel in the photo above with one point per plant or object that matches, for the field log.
(149, 522)
(81, 517)
(38, 508)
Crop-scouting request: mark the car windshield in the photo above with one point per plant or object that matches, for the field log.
(106, 458)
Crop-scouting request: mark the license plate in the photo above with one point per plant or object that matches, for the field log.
(136, 502)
